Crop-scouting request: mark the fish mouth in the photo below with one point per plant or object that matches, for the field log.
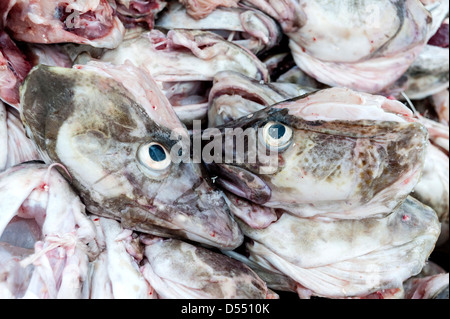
(224, 234)
(211, 227)
(200, 214)
(240, 182)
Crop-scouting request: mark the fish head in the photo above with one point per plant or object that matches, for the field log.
(197, 269)
(309, 167)
(119, 155)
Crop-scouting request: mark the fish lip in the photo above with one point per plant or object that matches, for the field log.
(227, 237)
(229, 240)
(240, 182)
(222, 231)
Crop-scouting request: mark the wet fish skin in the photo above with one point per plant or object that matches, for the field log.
(363, 45)
(115, 272)
(15, 146)
(427, 75)
(186, 55)
(428, 287)
(196, 272)
(379, 157)
(335, 259)
(433, 188)
(15, 278)
(272, 277)
(92, 125)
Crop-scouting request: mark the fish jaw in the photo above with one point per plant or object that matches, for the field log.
(241, 182)
(186, 206)
(95, 127)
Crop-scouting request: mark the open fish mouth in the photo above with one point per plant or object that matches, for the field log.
(240, 182)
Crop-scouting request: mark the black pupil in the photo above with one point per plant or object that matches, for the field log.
(157, 153)
(277, 131)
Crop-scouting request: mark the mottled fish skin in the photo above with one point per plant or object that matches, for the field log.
(94, 126)
(272, 277)
(334, 169)
(177, 269)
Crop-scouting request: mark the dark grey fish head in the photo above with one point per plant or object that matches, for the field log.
(119, 156)
(277, 159)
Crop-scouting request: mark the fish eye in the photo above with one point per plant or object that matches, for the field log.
(154, 156)
(277, 135)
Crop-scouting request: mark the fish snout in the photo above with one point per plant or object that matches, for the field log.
(201, 213)
(240, 182)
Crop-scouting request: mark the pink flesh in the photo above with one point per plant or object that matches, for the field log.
(441, 37)
(52, 22)
(13, 69)
(199, 9)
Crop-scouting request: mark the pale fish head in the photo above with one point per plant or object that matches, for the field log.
(339, 168)
(177, 269)
(348, 257)
(118, 153)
